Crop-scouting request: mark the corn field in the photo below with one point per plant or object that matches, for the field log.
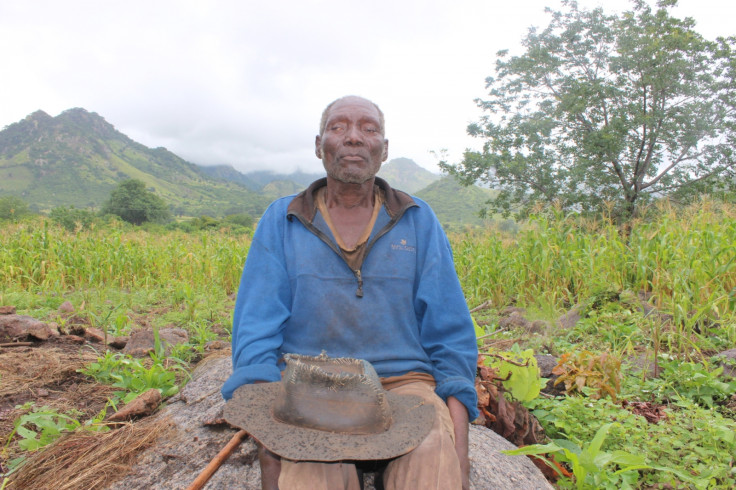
(686, 259)
(41, 257)
(683, 261)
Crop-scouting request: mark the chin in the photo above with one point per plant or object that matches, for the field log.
(351, 178)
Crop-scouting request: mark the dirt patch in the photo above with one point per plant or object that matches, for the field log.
(45, 374)
(89, 459)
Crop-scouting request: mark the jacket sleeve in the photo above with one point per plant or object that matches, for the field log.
(446, 328)
(262, 306)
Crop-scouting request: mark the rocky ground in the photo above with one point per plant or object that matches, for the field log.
(40, 363)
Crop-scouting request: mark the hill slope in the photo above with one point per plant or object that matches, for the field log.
(454, 204)
(77, 157)
(401, 173)
(228, 173)
(406, 175)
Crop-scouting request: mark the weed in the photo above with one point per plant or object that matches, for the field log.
(517, 370)
(692, 444)
(590, 464)
(681, 380)
(200, 334)
(601, 373)
(47, 422)
(133, 376)
(683, 262)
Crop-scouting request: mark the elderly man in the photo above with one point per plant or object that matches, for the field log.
(354, 268)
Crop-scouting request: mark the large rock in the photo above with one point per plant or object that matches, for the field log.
(199, 434)
(23, 327)
(143, 342)
(176, 460)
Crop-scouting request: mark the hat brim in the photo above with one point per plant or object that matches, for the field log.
(250, 409)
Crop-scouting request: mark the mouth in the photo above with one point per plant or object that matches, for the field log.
(352, 158)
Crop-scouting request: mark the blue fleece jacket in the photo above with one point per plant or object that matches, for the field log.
(402, 311)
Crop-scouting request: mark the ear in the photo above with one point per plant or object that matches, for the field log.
(318, 147)
(385, 150)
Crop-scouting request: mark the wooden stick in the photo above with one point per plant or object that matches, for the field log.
(16, 344)
(221, 457)
(481, 306)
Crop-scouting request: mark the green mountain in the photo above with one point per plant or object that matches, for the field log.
(77, 158)
(401, 173)
(404, 174)
(302, 179)
(228, 173)
(281, 188)
(455, 205)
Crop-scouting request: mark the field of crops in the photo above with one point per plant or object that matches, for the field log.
(682, 264)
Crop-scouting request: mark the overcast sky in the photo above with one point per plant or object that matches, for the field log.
(243, 83)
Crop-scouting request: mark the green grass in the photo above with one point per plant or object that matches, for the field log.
(120, 277)
(685, 262)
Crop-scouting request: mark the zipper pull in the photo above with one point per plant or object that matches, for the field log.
(359, 276)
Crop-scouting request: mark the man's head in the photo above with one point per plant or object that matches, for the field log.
(323, 121)
(351, 143)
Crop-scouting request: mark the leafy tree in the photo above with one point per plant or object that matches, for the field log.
(13, 208)
(132, 202)
(241, 219)
(606, 111)
(71, 218)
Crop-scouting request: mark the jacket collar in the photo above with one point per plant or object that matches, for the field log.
(396, 202)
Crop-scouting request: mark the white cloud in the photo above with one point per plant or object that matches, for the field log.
(244, 82)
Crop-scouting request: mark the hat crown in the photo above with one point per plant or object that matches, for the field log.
(340, 395)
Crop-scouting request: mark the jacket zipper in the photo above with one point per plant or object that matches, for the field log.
(357, 272)
(359, 276)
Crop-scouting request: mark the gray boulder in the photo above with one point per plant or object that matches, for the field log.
(199, 433)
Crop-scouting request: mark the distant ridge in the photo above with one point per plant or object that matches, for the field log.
(76, 158)
(228, 173)
(401, 173)
(456, 205)
(303, 179)
(406, 175)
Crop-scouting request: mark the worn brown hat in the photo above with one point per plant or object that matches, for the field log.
(330, 409)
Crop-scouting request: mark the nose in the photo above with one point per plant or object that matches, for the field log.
(353, 135)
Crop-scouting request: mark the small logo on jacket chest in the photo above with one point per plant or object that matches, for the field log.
(403, 246)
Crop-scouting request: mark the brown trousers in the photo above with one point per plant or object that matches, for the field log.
(431, 465)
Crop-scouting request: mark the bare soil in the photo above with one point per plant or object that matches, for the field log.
(46, 374)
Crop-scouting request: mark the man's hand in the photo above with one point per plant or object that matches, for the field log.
(459, 416)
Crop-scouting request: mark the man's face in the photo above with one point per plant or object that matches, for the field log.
(352, 146)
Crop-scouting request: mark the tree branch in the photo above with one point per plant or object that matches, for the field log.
(678, 160)
(702, 177)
